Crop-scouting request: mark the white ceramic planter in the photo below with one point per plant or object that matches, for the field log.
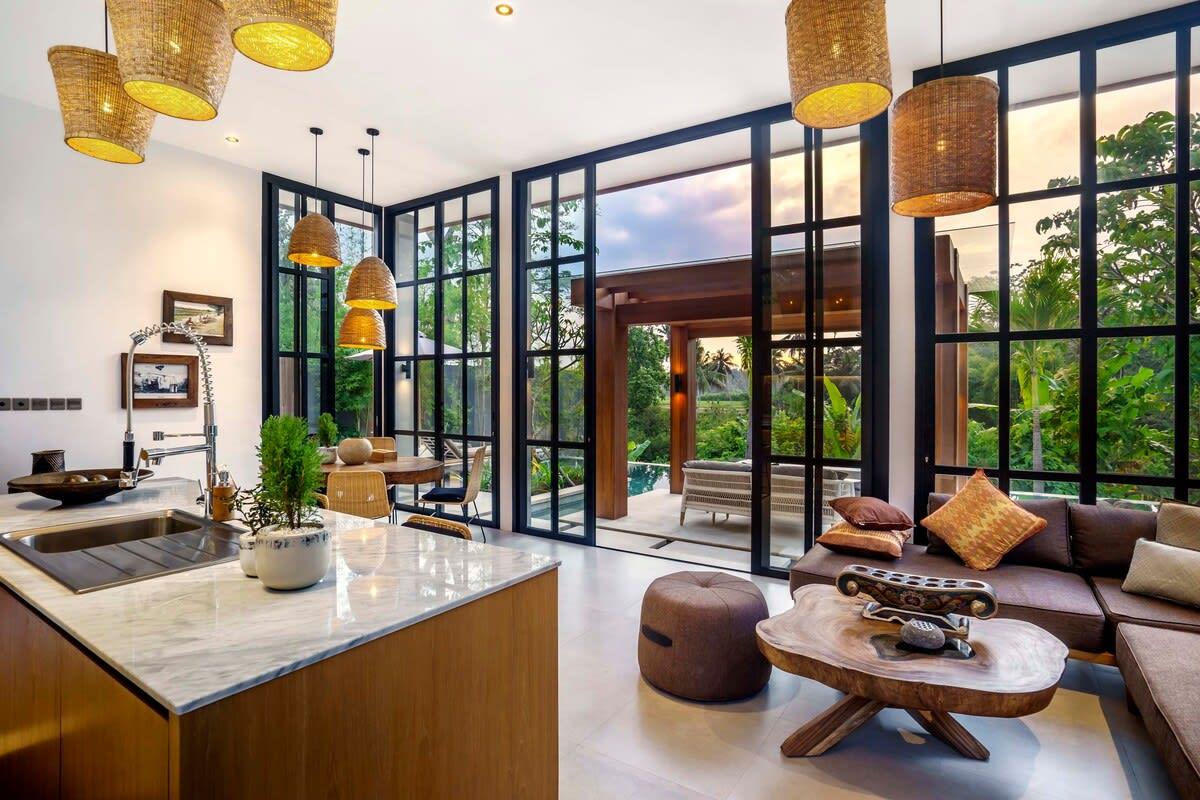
(328, 454)
(246, 555)
(287, 558)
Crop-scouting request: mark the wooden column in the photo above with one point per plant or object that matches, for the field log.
(612, 415)
(683, 404)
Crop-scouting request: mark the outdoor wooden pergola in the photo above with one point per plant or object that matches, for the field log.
(697, 301)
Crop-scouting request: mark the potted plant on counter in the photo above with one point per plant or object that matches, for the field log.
(295, 550)
(327, 438)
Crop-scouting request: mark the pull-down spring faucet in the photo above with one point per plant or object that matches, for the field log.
(129, 466)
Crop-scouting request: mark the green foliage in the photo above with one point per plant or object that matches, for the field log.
(289, 472)
(327, 430)
(721, 441)
(648, 351)
(842, 423)
(1135, 264)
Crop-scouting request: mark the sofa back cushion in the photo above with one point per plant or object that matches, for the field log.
(1103, 537)
(717, 466)
(1051, 548)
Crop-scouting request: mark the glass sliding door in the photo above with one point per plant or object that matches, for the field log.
(817, 417)
(555, 273)
(439, 396)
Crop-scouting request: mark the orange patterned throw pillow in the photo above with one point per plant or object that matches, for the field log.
(981, 523)
(845, 538)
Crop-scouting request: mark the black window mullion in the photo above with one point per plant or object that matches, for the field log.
(554, 311)
(762, 332)
(329, 335)
(814, 283)
(1088, 368)
(439, 343)
(1004, 397)
(463, 412)
(1183, 305)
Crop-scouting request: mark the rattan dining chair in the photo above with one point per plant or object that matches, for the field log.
(360, 494)
(383, 444)
(448, 527)
(462, 496)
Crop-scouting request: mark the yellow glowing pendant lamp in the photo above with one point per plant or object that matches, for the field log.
(944, 147)
(371, 283)
(174, 54)
(362, 329)
(314, 241)
(285, 34)
(838, 61)
(99, 119)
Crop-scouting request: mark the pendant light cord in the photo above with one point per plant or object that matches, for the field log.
(362, 212)
(106, 27)
(316, 184)
(941, 38)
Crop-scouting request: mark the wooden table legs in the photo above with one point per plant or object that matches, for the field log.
(848, 715)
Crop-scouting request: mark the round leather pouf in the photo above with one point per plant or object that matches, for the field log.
(697, 637)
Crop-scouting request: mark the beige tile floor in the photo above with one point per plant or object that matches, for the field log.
(621, 739)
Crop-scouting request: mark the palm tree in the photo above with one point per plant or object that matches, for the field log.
(1043, 297)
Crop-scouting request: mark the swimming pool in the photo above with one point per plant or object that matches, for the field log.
(643, 477)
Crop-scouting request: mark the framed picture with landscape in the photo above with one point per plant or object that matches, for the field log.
(210, 316)
(162, 381)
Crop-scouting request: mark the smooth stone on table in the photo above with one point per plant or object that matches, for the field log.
(922, 635)
(354, 451)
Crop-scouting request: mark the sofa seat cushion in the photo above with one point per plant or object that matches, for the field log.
(1060, 602)
(1159, 667)
(1121, 607)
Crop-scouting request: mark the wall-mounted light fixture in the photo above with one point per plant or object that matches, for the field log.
(680, 383)
(406, 370)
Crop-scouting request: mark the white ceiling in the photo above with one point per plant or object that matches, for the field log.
(462, 94)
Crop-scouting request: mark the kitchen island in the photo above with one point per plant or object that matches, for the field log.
(422, 666)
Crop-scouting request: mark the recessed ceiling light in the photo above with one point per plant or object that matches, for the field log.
(232, 139)
(504, 9)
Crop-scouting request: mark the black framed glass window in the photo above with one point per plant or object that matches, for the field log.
(1057, 329)
(304, 373)
(440, 398)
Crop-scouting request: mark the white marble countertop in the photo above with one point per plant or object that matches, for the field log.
(195, 637)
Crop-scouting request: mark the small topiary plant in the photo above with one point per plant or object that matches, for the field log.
(327, 430)
(289, 472)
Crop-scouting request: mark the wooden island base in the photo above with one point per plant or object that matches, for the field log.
(463, 704)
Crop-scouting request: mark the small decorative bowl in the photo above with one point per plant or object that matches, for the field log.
(69, 490)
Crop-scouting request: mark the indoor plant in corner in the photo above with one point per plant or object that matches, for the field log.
(294, 551)
(327, 433)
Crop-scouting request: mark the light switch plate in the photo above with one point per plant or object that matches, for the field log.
(74, 404)
(5, 403)
(20, 404)
(39, 404)
(58, 404)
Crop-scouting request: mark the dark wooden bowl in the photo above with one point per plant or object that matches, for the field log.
(53, 485)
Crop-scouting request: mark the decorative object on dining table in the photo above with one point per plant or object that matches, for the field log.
(48, 461)
(354, 451)
(294, 550)
(74, 487)
(948, 603)
(327, 433)
(162, 381)
(209, 316)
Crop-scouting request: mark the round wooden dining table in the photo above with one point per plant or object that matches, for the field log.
(400, 471)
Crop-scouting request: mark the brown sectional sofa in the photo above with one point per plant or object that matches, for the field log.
(1067, 579)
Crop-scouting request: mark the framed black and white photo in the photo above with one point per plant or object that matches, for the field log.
(210, 316)
(162, 381)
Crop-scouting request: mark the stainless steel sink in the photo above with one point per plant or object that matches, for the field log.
(109, 552)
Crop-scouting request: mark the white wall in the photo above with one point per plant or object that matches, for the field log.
(89, 249)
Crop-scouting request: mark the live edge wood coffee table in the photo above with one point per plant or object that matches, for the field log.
(1014, 671)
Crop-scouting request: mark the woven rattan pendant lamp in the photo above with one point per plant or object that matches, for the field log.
(838, 61)
(99, 119)
(362, 329)
(944, 146)
(174, 54)
(286, 34)
(314, 241)
(371, 283)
